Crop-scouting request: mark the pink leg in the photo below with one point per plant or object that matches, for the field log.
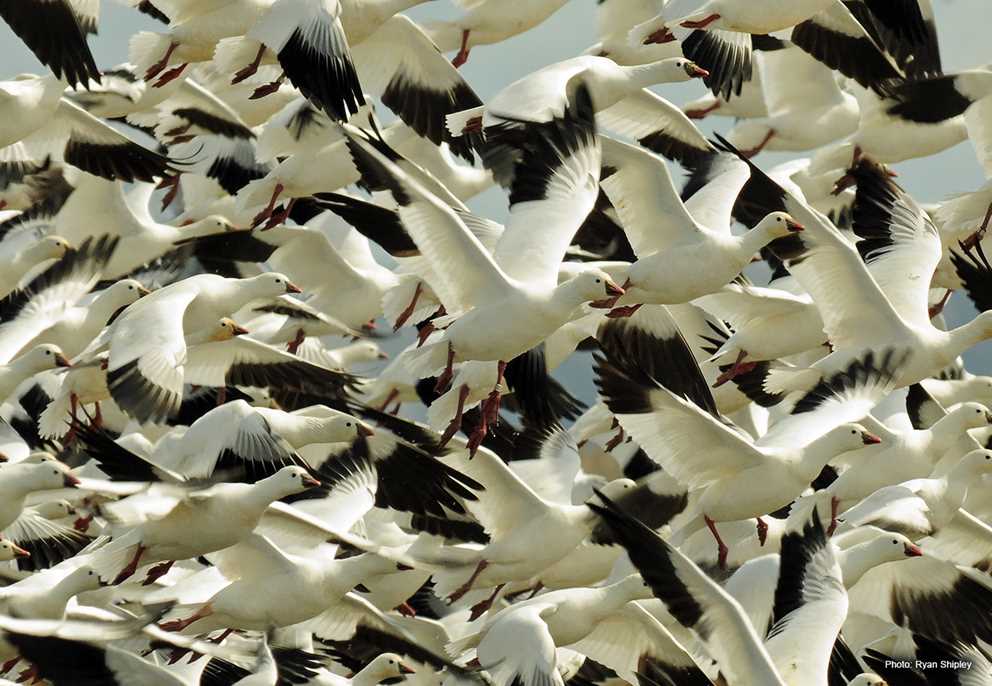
(834, 504)
(267, 89)
(456, 422)
(491, 407)
(295, 344)
(181, 624)
(159, 66)
(462, 56)
(738, 368)
(157, 572)
(267, 212)
(481, 608)
(721, 546)
(625, 311)
(701, 24)
(760, 146)
(280, 217)
(405, 314)
(444, 380)
(250, 70)
(393, 394)
(131, 567)
(171, 75)
(701, 113)
(467, 586)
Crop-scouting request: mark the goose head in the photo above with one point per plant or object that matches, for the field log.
(385, 666)
(271, 285)
(616, 489)
(81, 579)
(965, 416)
(226, 329)
(55, 509)
(289, 481)
(123, 293)
(10, 550)
(361, 351)
(46, 475)
(594, 286)
(681, 69)
(43, 357)
(208, 226)
(50, 248)
(975, 464)
(778, 225)
(890, 547)
(343, 428)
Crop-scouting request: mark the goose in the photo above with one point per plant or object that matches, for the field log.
(788, 73)
(43, 122)
(20, 264)
(486, 22)
(619, 94)
(898, 313)
(614, 20)
(654, 407)
(642, 192)
(52, 295)
(222, 516)
(527, 294)
(928, 507)
(697, 602)
(582, 618)
(34, 361)
(43, 540)
(61, 46)
(717, 33)
(142, 238)
(272, 588)
(235, 441)
(17, 481)
(753, 311)
(895, 590)
(80, 324)
(905, 455)
(370, 45)
(194, 31)
(137, 364)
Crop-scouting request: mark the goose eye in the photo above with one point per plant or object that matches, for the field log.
(598, 281)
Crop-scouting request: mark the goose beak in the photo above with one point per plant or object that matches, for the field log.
(988, 417)
(4, 458)
(19, 551)
(870, 439)
(142, 291)
(293, 288)
(662, 35)
(69, 481)
(365, 430)
(383, 356)
(695, 71)
(406, 670)
(239, 330)
(62, 361)
(913, 551)
(613, 289)
(793, 225)
(311, 482)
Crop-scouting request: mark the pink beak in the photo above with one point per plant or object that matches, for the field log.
(913, 551)
(613, 289)
(293, 288)
(69, 481)
(870, 439)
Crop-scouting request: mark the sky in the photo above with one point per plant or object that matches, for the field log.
(962, 27)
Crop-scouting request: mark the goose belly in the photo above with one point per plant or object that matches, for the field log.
(752, 493)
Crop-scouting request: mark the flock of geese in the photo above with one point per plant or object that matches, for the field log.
(782, 480)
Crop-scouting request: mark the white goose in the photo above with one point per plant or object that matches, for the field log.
(20, 264)
(26, 365)
(519, 284)
(671, 414)
(39, 121)
(693, 244)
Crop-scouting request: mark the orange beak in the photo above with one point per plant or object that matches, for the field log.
(870, 439)
(794, 226)
(293, 288)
